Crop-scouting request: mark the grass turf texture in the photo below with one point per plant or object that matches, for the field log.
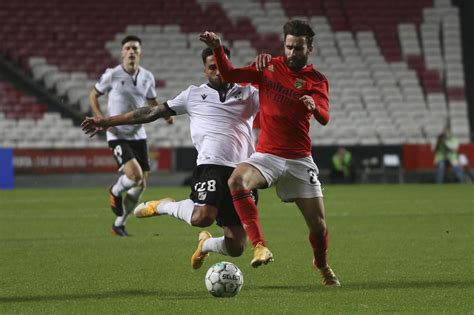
(394, 248)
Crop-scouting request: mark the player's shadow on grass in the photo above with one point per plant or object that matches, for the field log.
(407, 284)
(120, 294)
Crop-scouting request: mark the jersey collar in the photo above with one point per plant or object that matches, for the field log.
(222, 92)
(134, 77)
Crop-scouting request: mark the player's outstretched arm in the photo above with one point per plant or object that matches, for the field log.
(227, 71)
(154, 102)
(93, 125)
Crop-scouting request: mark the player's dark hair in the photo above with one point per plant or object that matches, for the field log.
(208, 52)
(131, 38)
(299, 28)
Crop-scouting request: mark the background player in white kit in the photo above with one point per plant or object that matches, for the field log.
(128, 86)
(221, 116)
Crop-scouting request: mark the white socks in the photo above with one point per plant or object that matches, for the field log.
(131, 198)
(215, 245)
(119, 221)
(133, 195)
(182, 210)
(123, 183)
(129, 203)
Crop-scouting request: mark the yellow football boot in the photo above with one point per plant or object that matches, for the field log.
(198, 256)
(328, 277)
(149, 208)
(261, 255)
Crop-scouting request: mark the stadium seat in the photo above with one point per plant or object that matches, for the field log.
(382, 53)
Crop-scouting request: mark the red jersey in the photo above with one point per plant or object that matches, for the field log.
(284, 119)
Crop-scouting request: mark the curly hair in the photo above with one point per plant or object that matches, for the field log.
(299, 28)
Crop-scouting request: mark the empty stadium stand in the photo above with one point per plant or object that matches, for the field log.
(14, 104)
(395, 68)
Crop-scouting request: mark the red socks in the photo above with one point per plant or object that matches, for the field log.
(320, 248)
(248, 213)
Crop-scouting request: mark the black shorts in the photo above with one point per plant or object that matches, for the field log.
(125, 150)
(209, 187)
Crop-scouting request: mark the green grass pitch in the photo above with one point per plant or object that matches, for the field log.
(402, 249)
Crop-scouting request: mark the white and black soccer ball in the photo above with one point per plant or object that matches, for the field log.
(224, 279)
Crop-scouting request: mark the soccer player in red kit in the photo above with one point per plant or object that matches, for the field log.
(291, 92)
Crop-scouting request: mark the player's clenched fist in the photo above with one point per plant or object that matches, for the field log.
(210, 39)
(308, 101)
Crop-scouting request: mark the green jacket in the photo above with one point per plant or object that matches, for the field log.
(447, 150)
(344, 164)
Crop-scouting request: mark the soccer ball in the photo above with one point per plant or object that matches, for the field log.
(224, 279)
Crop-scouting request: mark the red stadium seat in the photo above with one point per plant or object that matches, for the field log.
(456, 94)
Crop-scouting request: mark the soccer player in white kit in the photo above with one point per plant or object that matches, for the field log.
(129, 86)
(221, 117)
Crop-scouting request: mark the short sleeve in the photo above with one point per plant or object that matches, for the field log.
(151, 93)
(179, 103)
(104, 85)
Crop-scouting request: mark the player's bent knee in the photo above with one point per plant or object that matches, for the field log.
(203, 216)
(138, 178)
(236, 182)
(202, 221)
(236, 252)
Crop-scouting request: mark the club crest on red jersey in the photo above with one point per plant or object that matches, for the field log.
(271, 68)
(299, 83)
